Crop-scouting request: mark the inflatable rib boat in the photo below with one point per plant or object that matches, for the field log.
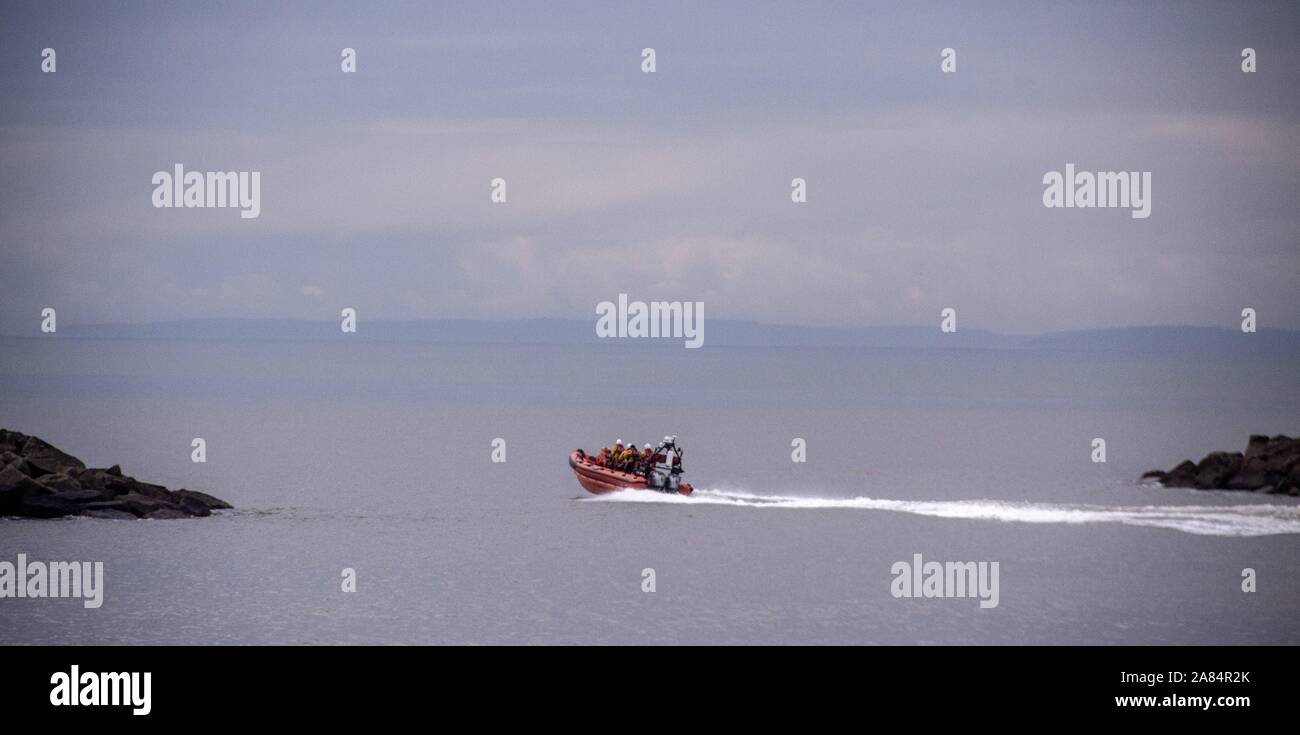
(597, 479)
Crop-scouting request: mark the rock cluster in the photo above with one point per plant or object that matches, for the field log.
(38, 480)
(1267, 466)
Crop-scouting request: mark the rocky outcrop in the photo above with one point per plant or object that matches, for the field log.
(39, 481)
(1267, 466)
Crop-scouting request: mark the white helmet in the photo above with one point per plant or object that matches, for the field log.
(618, 441)
(647, 445)
(668, 439)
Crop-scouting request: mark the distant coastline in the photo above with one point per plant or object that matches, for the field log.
(722, 333)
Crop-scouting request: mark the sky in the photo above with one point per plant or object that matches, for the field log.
(924, 188)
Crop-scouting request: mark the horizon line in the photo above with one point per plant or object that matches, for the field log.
(746, 322)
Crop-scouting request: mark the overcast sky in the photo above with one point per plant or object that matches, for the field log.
(924, 188)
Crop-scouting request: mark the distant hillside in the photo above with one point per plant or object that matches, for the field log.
(717, 333)
(1169, 339)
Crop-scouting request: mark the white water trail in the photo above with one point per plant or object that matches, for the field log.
(1205, 520)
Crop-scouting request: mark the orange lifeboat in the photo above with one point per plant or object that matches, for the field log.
(599, 480)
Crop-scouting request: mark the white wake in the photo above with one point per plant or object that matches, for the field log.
(1206, 520)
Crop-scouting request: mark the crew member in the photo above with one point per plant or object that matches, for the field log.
(647, 459)
(631, 457)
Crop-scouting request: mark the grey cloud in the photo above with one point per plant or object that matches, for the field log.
(924, 190)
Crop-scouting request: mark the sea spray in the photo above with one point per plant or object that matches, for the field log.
(1205, 520)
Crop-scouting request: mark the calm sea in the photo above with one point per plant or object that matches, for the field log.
(377, 458)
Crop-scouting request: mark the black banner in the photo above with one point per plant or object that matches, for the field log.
(329, 685)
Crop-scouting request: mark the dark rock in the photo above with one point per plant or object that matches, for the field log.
(1268, 465)
(1184, 475)
(12, 479)
(116, 484)
(134, 503)
(39, 481)
(1214, 470)
(108, 514)
(14, 488)
(208, 501)
(48, 506)
(158, 492)
(11, 441)
(46, 458)
(107, 505)
(1253, 474)
(141, 505)
(198, 511)
(1158, 475)
(88, 495)
(1256, 444)
(21, 465)
(96, 478)
(195, 507)
(59, 482)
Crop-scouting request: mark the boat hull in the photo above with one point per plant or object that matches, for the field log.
(599, 480)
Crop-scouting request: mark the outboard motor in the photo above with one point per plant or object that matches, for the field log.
(666, 471)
